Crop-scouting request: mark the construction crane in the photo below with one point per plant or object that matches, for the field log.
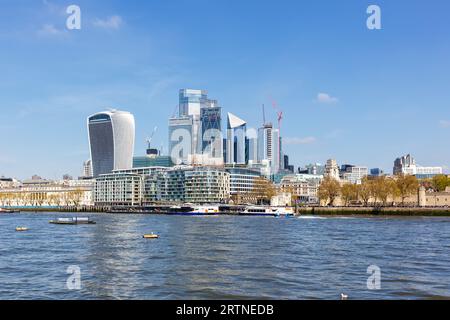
(174, 114)
(279, 112)
(149, 140)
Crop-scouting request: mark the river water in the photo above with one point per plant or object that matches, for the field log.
(225, 257)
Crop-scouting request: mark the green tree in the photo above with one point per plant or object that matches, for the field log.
(440, 182)
(329, 190)
(349, 192)
(365, 191)
(406, 185)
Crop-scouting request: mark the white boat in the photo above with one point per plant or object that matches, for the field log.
(268, 211)
(205, 210)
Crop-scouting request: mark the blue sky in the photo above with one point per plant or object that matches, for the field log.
(359, 96)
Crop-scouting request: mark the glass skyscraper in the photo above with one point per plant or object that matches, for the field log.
(236, 133)
(199, 117)
(111, 141)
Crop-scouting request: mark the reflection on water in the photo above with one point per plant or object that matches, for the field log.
(224, 257)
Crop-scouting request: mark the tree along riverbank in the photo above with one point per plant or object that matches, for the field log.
(318, 211)
(376, 211)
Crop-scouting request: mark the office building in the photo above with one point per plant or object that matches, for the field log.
(376, 172)
(242, 180)
(269, 146)
(196, 129)
(152, 161)
(111, 141)
(407, 165)
(303, 187)
(211, 131)
(236, 140)
(87, 169)
(354, 174)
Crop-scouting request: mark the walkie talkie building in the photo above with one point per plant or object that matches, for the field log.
(111, 141)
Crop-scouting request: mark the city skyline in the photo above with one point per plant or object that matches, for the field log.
(380, 95)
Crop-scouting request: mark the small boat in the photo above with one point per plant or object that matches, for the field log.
(8, 211)
(150, 236)
(21, 229)
(72, 221)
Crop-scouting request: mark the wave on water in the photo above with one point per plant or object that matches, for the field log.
(311, 217)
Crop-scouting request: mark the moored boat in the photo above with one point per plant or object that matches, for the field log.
(71, 221)
(8, 211)
(193, 210)
(268, 211)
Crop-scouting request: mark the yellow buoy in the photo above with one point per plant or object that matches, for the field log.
(19, 229)
(151, 236)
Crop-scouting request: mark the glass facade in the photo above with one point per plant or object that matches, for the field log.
(102, 144)
(111, 141)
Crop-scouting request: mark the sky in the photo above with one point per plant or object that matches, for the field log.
(360, 96)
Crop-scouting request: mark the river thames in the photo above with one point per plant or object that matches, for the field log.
(225, 257)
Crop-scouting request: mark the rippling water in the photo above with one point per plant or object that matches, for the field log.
(225, 257)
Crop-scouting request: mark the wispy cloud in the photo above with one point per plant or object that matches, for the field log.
(6, 160)
(113, 22)
(325, 98)
(335, 134)
(444, 123)
(299, 141)
(50, 30)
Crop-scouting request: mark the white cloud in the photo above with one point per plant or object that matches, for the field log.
(50, 30)
(297, 141)
(326, 98)
(444, 123)
(113, 22)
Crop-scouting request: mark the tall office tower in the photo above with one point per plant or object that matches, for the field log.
(252, 145)
(111, 141)
(269, 146)
(211, 131)
(276, 163)
(236, 132)
(265, 142)
(190, 103)
(87, 168)
(180, 144)
(197, 114)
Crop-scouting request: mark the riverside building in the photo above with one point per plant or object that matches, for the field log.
(207, 185)
(303, 187)
(40, 193)
(118, 189)
(242, 180)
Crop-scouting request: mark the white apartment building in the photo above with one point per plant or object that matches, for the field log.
(118, 189)
(206, 185)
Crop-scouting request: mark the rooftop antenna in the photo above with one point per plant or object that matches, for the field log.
(264, 115)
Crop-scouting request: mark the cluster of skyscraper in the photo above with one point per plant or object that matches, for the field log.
(195, 138)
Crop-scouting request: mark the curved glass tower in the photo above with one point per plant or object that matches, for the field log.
(111, 141)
